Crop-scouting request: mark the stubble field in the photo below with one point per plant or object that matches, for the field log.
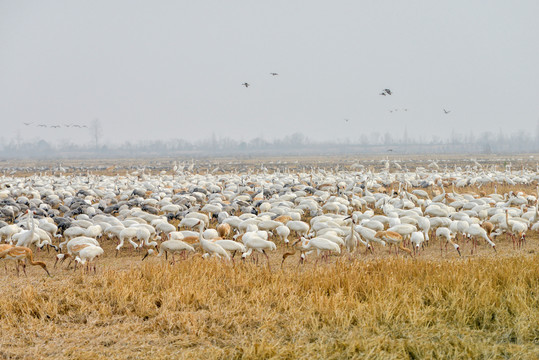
(368, 306)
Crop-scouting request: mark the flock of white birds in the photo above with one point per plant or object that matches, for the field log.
(314, 213)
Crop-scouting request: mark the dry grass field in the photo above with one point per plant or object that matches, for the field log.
(373, 306)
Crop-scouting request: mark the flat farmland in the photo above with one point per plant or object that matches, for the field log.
(366, 303)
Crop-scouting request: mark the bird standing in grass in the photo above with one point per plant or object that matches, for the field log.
(88, 254)
(172, 246)
(476, 231)
(393, 238)
(19, 253)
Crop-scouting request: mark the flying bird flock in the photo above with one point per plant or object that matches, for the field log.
(56, 126)
(384, 92)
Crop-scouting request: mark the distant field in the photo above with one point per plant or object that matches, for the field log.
(271, 163)
(367, 306)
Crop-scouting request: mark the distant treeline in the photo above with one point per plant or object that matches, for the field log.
(294, 144)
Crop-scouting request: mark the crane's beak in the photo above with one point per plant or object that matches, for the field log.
(458, 250)
(145, 256)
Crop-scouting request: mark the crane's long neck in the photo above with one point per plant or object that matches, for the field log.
(200, 230)
(147, 241)
(31, 224)
(30, 258)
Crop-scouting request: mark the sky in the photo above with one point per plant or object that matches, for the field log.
(164, 69)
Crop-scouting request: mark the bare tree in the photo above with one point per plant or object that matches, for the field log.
(96, 131)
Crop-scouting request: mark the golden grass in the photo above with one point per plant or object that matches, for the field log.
(382, 308)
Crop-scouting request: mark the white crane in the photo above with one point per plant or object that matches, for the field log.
(28, 237)
(320, 245)
(446, 234)
(89, 254)
(283, 232)
(417, 239)
(475, 231)
(231, 245)
(209, 246)
(172, 246)
(258, 244)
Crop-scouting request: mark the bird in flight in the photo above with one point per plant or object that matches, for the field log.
(383, 93)
(42, 125)
(346, 120)
(274, 74)
(389, 150)
(246, 84)
(387, 91)
(55, 126)
(447, 111)
(27, 124)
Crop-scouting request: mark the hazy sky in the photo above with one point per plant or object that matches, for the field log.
(168, 69)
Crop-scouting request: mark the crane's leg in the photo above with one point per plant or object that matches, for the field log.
(267, 257)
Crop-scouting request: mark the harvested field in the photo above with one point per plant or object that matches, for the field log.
(367, 304)
(374, 308)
